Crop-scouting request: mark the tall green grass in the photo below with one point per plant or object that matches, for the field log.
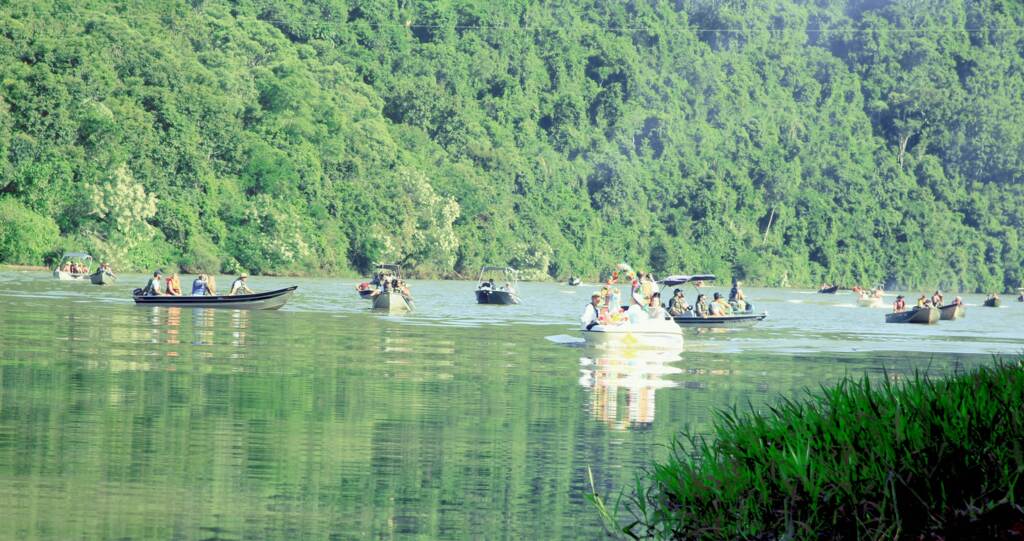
(921, 459)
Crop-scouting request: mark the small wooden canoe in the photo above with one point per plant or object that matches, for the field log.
(926, 316)
(267, 300)
(991, 302)
(952, 311)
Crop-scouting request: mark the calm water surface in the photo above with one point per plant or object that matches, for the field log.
(326, 421)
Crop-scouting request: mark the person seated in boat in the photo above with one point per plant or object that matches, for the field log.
(957, 301)
(239, 287)
(927, 303)
(173, 285)
(592, 313)
(937, 298)
(719, 306)
(701, 307)
(900, 305)
(199, 285)
(153, 286)
(66, 267)
(647, 286)
(921, 301)
(654, 308)
(403, 288)
(677, 306)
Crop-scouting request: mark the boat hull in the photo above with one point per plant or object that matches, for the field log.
(268, 300)
(392, 303)
(487, 296)
(870, 302)
(926, 316)
(102, 278)
(661, 334)
(952, 311)
(61, 275)
(715, 322)
(829, 290)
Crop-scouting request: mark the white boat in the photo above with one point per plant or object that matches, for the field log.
(82, 257)
(649, 333)
(869, 301)
(391, 302)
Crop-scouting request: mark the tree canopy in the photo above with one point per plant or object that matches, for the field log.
(845, 141)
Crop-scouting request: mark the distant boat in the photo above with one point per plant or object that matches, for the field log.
(68, 257)
(829, 290)
(952, 311)
(574, 281)
(392, 302)
(489, 292)
(926, 316)
(386, 297)
(102, 278)
(268, 300)
(992, 302)
(1020, 297)
(869, 301)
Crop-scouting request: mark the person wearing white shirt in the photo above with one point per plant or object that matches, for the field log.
(590, 313)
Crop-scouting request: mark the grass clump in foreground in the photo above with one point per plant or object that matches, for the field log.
(924, 459)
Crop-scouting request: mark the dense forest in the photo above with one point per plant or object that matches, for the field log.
(858, 141)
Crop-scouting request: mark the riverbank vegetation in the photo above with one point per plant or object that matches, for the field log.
(919, 459)
(790, 142)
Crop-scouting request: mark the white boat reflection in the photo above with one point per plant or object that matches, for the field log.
(631, 377)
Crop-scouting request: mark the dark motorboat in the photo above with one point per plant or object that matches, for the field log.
(992, 302)
(268, 300)
(927, 315)
(489, 292)
(952, 311)
(574, 281)
(829, 290)
(691, 320)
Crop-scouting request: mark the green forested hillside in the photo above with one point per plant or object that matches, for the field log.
(860, 141)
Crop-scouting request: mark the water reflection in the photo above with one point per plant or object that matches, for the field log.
(628, 376)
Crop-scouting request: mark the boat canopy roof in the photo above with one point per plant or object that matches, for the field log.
(509, 271)
(678, 279)
(389, 266)
(76, 255)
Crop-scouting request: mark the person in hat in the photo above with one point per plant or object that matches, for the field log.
(900, 305)
(153, 286)
(719, 306)
(239, 287)
(677, 306)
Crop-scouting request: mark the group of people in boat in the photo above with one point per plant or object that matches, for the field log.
(204, 284)
(873, 293)
(492, 285)
(936, 301)
(74, 267)
(605, 307)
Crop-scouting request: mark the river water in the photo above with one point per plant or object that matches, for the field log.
(325, 421)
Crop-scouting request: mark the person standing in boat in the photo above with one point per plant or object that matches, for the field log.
(239, 287)
(677, 306)
(900, 305)
(153, 286)
(937, 298)
(591, 314)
